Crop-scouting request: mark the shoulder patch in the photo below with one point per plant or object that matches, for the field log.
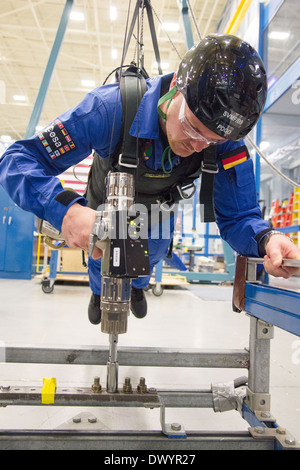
(56, 139)
(234, 157)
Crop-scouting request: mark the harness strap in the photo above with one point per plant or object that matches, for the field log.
(209, 168)
(133, 86)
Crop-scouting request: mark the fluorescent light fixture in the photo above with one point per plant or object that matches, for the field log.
(281, 35)
(19, 98)
(5, 138)
(164, 65)
(264, 145)
(2, 92)
(39, 128)
(271, 81)
(113, 13)
(114, 53)
(88, 83)
(168, 26)
(77, 16)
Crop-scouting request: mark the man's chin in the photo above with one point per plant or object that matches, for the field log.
(180, 148)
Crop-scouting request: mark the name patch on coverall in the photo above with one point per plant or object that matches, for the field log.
(56, 139)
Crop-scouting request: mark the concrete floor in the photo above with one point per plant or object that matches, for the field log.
(199, 316)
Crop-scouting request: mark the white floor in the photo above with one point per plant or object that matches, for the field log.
(198, 317)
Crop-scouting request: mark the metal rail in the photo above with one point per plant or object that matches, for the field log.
(253, 402)
(137, 441)
(127, 356)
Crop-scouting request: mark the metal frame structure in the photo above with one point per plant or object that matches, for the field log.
(250, 396)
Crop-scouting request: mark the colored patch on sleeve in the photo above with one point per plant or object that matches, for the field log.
(234, 157)
(56, 139)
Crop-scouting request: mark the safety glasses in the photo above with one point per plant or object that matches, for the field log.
(190, 131)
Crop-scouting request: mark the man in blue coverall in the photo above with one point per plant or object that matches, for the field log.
(213, 101)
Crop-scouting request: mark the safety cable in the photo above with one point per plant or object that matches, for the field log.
(160, 22)
(282, 175)
(194, 19)
(125, 35)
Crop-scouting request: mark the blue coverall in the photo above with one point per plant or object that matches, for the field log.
(29, 169)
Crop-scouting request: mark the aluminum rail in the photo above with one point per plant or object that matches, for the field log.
(145, 441)
(84, 396)
(133, 356)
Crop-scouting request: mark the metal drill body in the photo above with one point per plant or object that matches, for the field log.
(121, 234)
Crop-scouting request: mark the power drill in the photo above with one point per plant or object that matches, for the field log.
(121, 232)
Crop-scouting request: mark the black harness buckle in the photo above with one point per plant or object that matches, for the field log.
(126, 164)
(209, 167)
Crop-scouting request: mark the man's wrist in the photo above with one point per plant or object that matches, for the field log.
(266, 238)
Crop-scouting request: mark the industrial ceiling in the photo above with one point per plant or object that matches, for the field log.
(91, 49)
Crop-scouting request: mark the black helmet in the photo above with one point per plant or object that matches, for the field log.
(224, 83)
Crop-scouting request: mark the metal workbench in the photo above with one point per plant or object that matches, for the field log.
(249, 396)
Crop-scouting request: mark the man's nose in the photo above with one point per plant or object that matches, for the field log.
(198, 145)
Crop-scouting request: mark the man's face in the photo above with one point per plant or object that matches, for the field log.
(186, 134)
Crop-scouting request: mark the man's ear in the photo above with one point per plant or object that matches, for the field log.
(173, 82)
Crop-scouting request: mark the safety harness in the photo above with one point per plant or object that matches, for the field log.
(152, 186)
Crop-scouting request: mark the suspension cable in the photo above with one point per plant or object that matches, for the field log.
(160, 22)
(282, 175)
(194, 19)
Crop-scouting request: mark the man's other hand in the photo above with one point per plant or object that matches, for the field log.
(277, 248)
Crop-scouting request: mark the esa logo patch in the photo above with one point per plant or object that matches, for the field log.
(56, 140)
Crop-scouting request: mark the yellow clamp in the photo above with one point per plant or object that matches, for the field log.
(48, 391)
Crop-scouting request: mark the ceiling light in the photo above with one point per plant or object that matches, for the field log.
(88, 83)
(282, 35)
(170, 26)
(164, 65)
(2, 92)
(264, 145)
(113, 13)
(114, 53)
(271, 81)
(77, 16)
(19, 98)
(5, 138)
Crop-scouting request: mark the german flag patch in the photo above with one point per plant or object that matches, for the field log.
(235, 157)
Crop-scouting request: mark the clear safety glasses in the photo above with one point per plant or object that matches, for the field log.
(190, 131)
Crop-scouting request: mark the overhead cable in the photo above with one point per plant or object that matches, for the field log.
(282, 175)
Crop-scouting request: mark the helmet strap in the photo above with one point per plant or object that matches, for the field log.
(166, 97)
